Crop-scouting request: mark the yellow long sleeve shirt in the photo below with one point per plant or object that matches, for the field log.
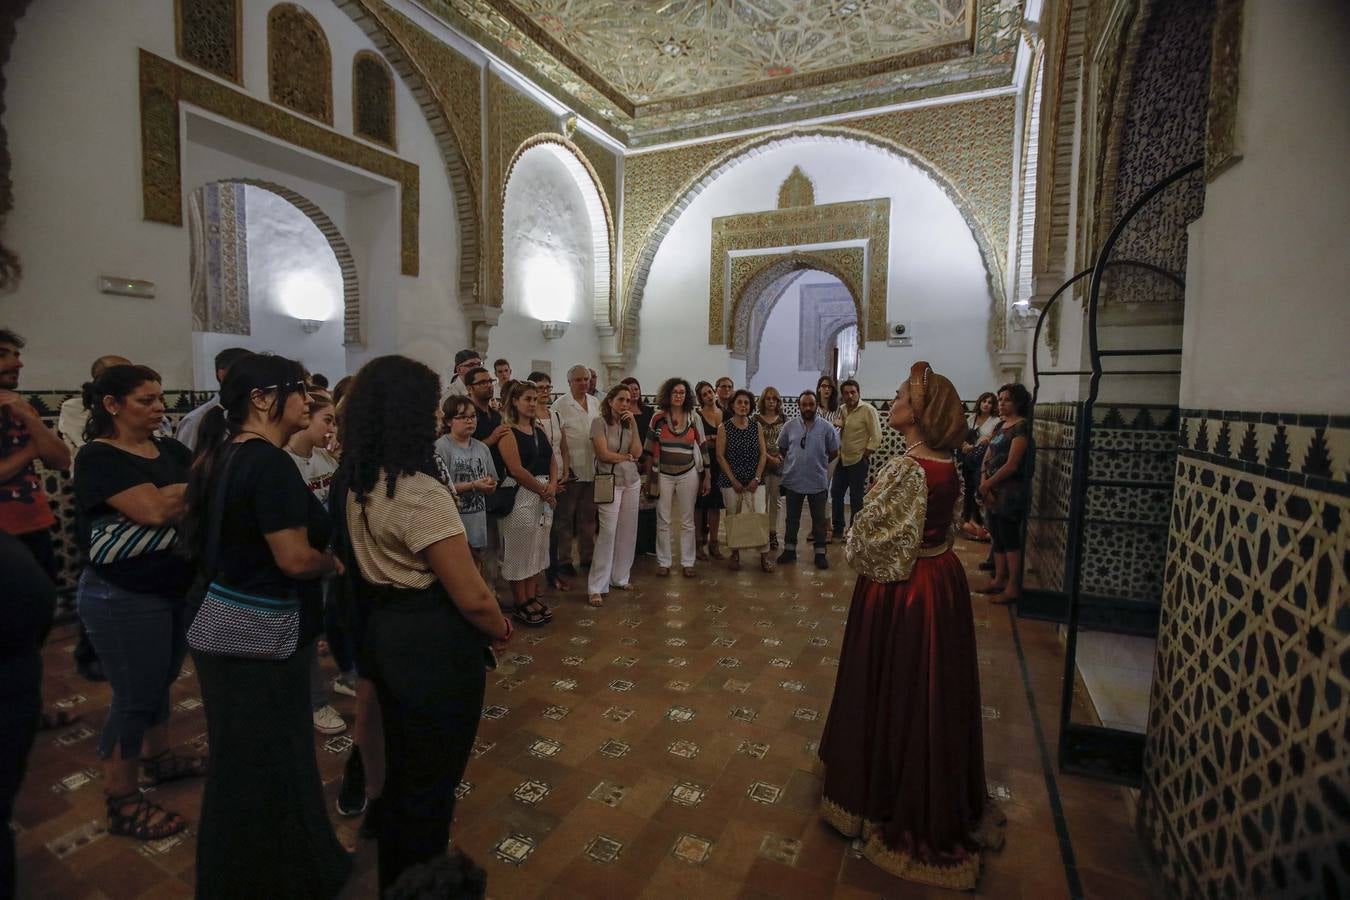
(859, 430)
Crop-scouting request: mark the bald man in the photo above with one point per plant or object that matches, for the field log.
(70, 424)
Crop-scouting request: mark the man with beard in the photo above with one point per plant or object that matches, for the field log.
(807, 444)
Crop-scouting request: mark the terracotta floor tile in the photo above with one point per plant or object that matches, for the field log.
(666, 664)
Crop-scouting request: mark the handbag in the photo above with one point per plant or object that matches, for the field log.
(747, 530)
(237, 623)
(604, 481)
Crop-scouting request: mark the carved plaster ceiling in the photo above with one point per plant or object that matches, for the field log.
(661, 70)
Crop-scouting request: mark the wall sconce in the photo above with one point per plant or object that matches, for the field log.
(554, 330)
(309, 326)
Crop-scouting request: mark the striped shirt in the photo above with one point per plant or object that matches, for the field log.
(389, 539)
(675, 453)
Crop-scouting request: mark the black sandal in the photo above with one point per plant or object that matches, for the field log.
(140, 822)
(167, 767)
(531, 614)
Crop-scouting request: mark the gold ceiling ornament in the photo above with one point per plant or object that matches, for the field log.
(446, 85)
(865, 222)
(964, 148)
(796, 190)
(164, 85)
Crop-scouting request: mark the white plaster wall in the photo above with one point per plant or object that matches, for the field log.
(1267, 316)
(548, 266)
(73, 117)
(937, 281)
(782, 334)
(284, 244)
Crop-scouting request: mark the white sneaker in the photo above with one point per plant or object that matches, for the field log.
(328, 721)
(345, 685)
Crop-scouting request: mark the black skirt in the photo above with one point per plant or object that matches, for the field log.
(264, 829)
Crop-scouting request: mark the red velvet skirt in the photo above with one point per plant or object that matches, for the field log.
(902, 746)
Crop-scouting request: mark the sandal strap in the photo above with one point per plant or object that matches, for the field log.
(138, 822)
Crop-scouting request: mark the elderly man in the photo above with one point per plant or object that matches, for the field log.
(70, 423)
(186, 433)
(575, 513)
(465, 360)
(807, 444)
(859, 438)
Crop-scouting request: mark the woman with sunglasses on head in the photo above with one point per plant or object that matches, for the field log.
(708, 509)
(260, 535)
(528, 457)
(429, 616)
(129, 490)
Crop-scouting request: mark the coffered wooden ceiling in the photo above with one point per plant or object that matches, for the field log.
(652, 71)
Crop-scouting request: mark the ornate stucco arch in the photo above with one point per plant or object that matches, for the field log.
(603, 301)
(768, 284)
(352, 332)
(635, 282)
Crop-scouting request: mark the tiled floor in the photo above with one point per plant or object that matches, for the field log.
(662, 746)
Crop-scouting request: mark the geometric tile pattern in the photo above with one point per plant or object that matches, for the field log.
(1248, 749)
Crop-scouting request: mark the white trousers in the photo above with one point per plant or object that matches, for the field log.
(616, 543)
(748, 502)
(686, 488)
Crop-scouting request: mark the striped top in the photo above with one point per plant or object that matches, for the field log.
(389, 538)
(675, 453)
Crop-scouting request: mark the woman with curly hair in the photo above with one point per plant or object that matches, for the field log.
(260, 535)
(528, 457)
(429, 616)
(675, 442)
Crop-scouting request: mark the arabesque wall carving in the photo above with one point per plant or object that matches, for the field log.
(446, 86)
(966, 148)
(374, 115)
(165, 84)
(209, 34)
(299, 62)
(861, 220)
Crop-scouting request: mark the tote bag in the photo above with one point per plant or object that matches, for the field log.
(747, 529)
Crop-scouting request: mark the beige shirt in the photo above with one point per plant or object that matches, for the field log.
(389, 539)
(859, 429)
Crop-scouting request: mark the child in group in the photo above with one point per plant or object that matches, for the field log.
(473, 475)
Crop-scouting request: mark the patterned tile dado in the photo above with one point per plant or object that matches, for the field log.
(1296, 448)
(164, 85)
(1248, 752)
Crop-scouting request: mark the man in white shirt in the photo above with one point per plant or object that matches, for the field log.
(70, 423)
(575, 514)
(464, 361)
(186, 433)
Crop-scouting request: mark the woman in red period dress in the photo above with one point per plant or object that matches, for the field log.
(902, 748)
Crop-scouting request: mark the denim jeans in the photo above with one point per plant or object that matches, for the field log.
(817, 503)
(141, 640)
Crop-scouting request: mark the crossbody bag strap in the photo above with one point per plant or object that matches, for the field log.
(215, 511)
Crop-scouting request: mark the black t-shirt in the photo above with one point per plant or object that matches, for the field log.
(536, 453)
(488, 422)
(133, 556)
(266, 494)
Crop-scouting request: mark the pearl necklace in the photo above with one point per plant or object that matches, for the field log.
(915, 447)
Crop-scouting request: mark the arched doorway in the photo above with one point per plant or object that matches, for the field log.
(802, 324)
(269, 271)
(557, 260)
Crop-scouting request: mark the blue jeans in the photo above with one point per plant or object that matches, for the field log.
(141, 640)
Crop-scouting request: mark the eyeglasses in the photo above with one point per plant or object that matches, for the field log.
(472, 417)
(480, 383)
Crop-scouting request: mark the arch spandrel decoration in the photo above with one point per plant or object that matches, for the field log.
(796, 190)
(768, 278)
(352, 335)
(299, 63)
(635, 277)
(863, 222)
(374, 115)
(592, 191)
(209, 35)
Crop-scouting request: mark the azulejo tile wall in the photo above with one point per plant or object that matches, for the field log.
(1248, 755)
